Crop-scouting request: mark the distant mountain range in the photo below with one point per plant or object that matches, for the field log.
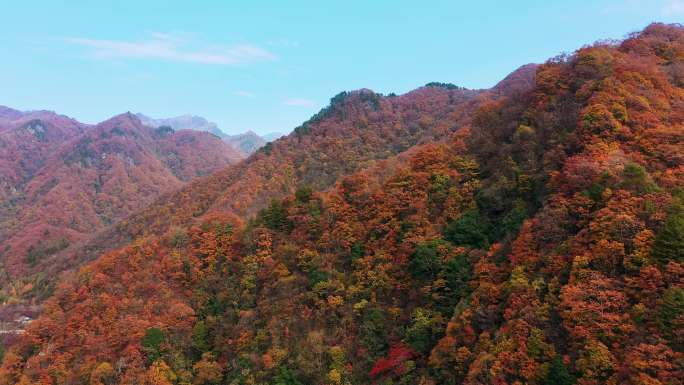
(247, 142)
(61, 180)
(183, 122)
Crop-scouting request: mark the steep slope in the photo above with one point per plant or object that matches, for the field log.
(518, 81)
(542, 246)
(63, 180)
(26, 140)
(9, 114)
(357, 129)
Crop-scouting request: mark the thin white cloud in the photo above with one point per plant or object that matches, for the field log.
(244, 94)
(174, 48)
(674, 7)
(299, 102)
(666, 7)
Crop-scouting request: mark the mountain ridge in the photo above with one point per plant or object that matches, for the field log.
(246, 142)
(534, 237)
(62, 179)
(230, 192)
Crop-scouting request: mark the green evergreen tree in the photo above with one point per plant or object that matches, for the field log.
(558, 373)
(285, 377)
(425, 261)
(199, 337)
(669, 243)
(275, 217)
(471, 229)
(151, 343)
(671, 308)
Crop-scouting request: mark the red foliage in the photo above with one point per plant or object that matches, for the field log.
(394, 363)
(518, 250)
(63, 181)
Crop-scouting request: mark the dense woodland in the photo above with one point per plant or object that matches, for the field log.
(527, 236)
(356, 130)
(61, 181)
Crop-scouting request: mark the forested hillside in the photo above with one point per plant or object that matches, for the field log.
(526, 237)
(357, 129)
(62, 181)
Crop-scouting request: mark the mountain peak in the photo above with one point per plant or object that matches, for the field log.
(520, 80)
(246, 142)
(126, 119)
(183, 122)
(6, 112)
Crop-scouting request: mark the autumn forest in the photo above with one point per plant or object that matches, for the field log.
(530, 233)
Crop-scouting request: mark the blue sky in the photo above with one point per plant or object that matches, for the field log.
(269, 65)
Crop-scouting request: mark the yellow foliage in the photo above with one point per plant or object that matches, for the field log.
(335, 301)
(334, 376)
(159, 374)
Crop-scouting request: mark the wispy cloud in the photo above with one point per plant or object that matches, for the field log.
(299, 102)
(244, 94)
(174, 48)
(666, 7)
(674, 7)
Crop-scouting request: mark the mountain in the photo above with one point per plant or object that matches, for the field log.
(520, 80)
(9, 114)
(540, 243)
(62, 181)
(247, 142)
(26, 141)
(183, 122)
(358, 129)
